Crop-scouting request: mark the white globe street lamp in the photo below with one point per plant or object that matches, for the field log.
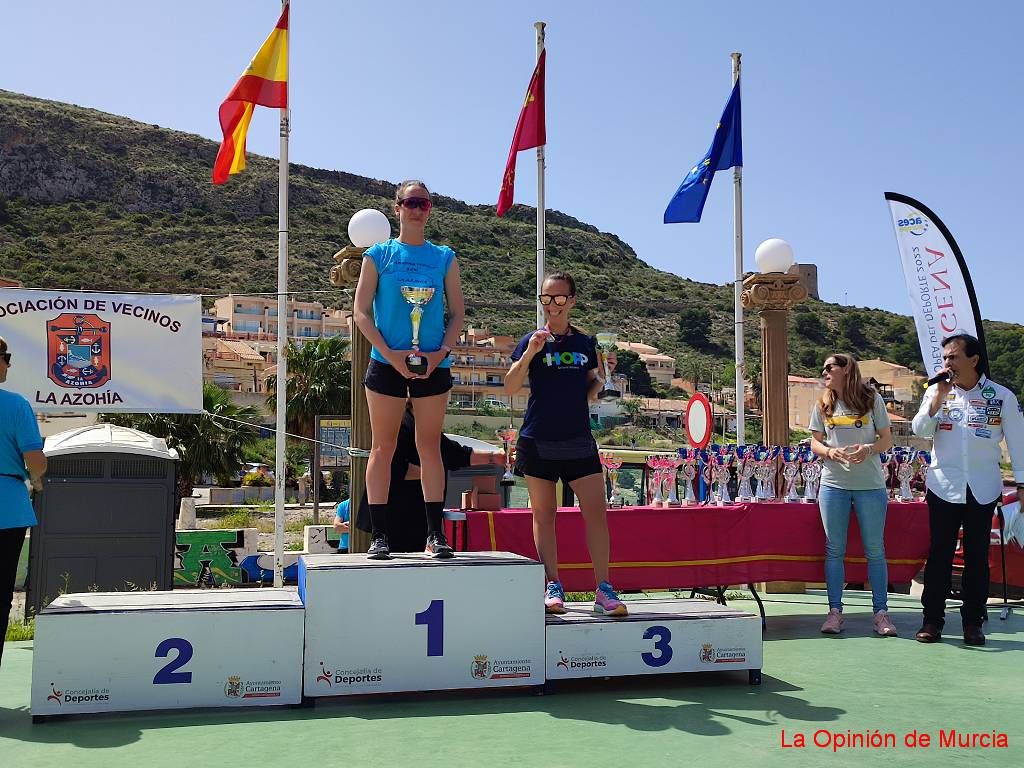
(368, 227)
(773, 255)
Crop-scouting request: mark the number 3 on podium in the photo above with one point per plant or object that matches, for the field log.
(433, 619)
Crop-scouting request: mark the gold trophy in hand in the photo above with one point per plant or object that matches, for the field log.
(606, 341)
(419, 297)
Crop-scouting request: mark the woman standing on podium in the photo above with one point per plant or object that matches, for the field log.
(555, 442)
(398, 276)
(849, 429)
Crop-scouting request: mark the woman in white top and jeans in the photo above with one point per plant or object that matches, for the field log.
(849, 428)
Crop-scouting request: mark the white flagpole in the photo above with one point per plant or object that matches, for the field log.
(541, 215)
(737, 203)
(282, 332)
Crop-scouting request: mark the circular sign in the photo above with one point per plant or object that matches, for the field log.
(698, 421)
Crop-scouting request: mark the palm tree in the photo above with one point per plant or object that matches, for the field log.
(319, 383)
(207, 443)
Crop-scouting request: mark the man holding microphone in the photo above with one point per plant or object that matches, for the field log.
(968, 415)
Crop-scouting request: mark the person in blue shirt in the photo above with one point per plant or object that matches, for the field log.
(382, 313)
(21, 459)
(341, 524)
(555, 441)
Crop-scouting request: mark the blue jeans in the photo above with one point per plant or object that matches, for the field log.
(870, 506)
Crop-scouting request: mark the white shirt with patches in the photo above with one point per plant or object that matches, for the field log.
(967, 430)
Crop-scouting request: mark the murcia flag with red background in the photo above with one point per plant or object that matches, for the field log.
(265, 82)
(529, 133)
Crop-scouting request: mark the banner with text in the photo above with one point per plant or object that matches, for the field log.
(942, 298)
(86, 352)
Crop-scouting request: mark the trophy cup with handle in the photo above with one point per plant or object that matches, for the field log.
(654, 484)
(744, 472)
(790, 471)
(507, 435)
(419, 296)
(611, 465)
(812, 474)
(722, 457)
(905, 471)
(672, 464)
(606, 342)
(689, 461)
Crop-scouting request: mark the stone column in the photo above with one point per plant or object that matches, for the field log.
(348, 262)
(775, 293)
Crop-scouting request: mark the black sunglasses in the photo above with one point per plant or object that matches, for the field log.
(7, 357)
(416, 202)
(560, 299)
(829, 366)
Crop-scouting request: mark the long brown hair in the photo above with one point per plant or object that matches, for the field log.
(858, 395)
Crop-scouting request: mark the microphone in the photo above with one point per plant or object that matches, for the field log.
(941, 376)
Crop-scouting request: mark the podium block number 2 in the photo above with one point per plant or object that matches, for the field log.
(169, 674)
(433, 619)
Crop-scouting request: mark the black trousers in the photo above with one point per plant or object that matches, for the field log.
(945, 519)
(11, 541)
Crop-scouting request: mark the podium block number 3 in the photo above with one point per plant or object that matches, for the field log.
(433, 619)
(662, 637)
(169, 674)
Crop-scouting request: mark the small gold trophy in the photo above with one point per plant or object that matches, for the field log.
(419, 297)
(507, 435)
(606, 341)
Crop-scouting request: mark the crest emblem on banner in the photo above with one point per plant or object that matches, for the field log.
(78, 351)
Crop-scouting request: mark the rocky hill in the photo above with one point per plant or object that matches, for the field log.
(93, 200)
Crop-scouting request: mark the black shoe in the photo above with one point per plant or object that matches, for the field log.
(379, 549)
(973, 635)
(929, 633)
(438, 547)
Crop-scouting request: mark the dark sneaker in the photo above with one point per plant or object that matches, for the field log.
(379, 549)
(973, 634)
(438, 547)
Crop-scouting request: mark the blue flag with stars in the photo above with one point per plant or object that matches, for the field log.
(726, 151)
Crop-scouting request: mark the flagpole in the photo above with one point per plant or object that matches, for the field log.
(541, 214)
(737, 207)
(282, 336)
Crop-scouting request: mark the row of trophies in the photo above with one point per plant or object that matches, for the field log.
(758, 465)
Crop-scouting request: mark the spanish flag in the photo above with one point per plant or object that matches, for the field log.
(529, 133)
(265, 82)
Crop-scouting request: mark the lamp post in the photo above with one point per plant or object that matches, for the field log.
(365, 228)
(774, 293)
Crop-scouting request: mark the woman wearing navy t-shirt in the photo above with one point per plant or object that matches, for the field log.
(555, 442)
(382, 314)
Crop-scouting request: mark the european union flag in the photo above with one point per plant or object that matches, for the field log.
(726, 151)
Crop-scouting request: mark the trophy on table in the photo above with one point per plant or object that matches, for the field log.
(905, 471)
(419, 296)
(764, 471)
(606, 342)
(790, 472)
(689, 461)
(924, 459)
(611, 466)
(885, 457)
(654, 484)
(722, 458)
(672, 464)
(812, 474)
(507, 435)
(744, 472)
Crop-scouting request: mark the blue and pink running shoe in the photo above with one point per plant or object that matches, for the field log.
(606, 601)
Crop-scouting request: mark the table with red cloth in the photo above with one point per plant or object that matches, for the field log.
(706, 546)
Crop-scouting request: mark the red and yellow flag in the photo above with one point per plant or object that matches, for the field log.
(529, 133)
(265, 82)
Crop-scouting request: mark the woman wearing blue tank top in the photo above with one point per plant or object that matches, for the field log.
(382, 313)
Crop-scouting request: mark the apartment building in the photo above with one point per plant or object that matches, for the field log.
(662, 368)
(479, 363)
(253, 319)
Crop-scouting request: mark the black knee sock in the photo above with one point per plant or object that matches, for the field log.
(379, 519)
(435, 516)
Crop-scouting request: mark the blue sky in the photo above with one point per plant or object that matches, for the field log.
(840, 104)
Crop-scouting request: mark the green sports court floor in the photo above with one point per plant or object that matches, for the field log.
(812, 683)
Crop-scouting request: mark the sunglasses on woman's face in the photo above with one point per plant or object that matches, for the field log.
(829, 366)
(559, 299)
(6, 357)
(416, 202)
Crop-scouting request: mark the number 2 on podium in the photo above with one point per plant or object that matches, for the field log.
(433, 619)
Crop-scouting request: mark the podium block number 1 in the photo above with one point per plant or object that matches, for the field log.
(169, 674)
(433, 619)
